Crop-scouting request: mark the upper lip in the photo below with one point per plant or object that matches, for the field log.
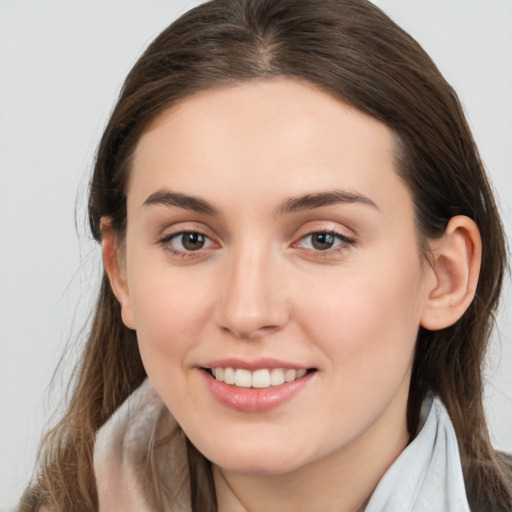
(256, 364)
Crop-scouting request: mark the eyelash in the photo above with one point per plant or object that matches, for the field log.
(344, 244)
(165, 242)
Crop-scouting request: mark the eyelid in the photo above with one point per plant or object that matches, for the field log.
(165, 241)
(168, 230)
(345, 241)
(336, 234)
(172, 236)
(325, 226)
(340, 236)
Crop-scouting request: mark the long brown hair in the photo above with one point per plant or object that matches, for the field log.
(352, 50)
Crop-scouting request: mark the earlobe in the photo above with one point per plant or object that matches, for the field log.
(115, 271)
(456, 258)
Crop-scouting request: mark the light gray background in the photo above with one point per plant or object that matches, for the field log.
(61, 66)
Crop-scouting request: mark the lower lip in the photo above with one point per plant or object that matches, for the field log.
(255, 399)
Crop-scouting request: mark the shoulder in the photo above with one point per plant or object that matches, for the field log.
(481, 503)
(140, 442)
(507, 457)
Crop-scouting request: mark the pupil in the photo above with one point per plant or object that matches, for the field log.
(322, 241)
(193, 241)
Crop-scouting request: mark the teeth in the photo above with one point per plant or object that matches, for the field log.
(290, 375)
(276, 377)
(262, 378)
(243, 378)
(229, 376)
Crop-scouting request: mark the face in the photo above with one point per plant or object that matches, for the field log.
(271, 243)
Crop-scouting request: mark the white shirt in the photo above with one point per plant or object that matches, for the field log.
(427, 475)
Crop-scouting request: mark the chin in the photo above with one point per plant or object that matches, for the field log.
(259, 460)
(259, 467)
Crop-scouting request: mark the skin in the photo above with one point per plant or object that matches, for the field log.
(260, 288)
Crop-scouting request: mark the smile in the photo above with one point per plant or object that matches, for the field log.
(258, 389)
(261, 378)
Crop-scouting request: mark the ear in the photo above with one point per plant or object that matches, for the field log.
(455, 267)
(113, 261)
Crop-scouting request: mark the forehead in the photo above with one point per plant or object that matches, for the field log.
(280, 136)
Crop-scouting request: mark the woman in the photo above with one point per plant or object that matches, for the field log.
(302, 254)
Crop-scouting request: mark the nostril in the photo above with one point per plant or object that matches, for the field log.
(250, 333)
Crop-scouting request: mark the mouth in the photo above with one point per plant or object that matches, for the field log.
(258, 379)
(256, 386)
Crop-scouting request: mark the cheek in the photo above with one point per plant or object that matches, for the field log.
(367, 331)
(170, 311)
(367, 321)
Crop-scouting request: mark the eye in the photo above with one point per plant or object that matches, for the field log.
(324, 241)
(186, 241)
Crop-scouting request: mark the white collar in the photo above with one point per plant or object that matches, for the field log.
(427, 475)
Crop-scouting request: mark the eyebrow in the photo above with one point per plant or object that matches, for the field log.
(291, 205)
(188, 202)
(319, 199)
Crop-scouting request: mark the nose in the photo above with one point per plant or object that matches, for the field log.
(253, 301)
